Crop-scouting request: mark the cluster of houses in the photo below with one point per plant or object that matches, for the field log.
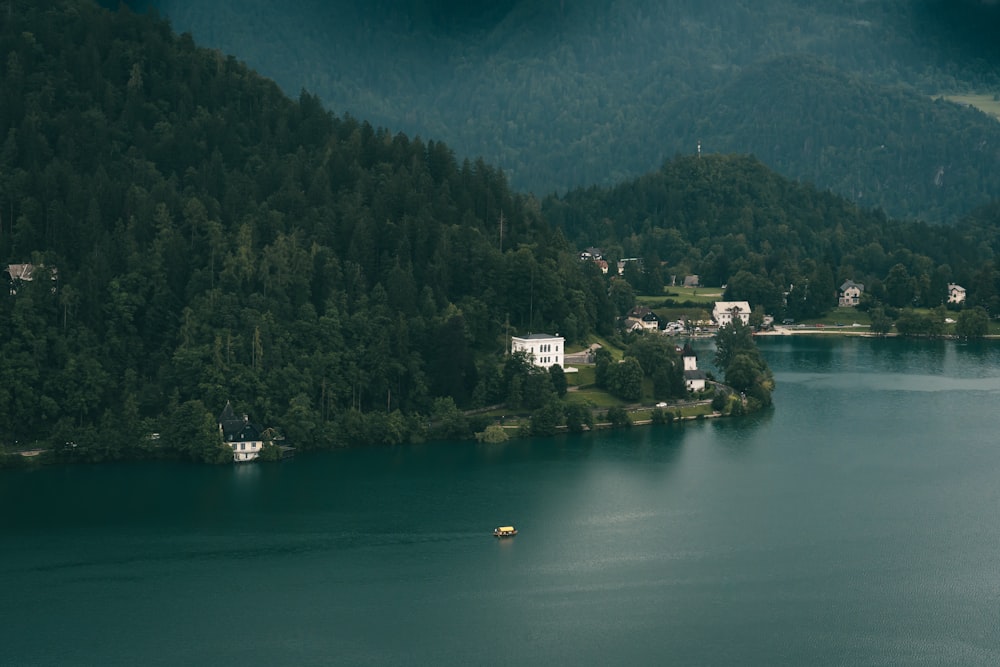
(850, 294)
(546, 350)
(596, 255)
(642, 318)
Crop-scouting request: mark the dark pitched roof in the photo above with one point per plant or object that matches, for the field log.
(237, 429)
(688, 351)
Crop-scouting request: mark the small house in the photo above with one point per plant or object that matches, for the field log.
(694, 379)
(245, 437)
(642, 318)
(850, 294)
(956, 293)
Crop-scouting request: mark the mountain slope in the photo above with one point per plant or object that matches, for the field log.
(882, 147)
(209, 239)
(562, 95)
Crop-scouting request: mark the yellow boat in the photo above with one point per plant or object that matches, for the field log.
(505, 531)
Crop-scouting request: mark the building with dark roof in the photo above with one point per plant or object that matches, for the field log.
(245, 437)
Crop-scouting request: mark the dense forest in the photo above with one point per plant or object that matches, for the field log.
(197, 237)
(734, 222)
(560, 95)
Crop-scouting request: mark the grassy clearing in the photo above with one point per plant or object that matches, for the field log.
(983, 102)
(594, 398)
(706, 295)
(616, 352)
(584, 376)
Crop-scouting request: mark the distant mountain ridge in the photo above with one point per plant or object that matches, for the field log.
(886, 147)
(562, 95)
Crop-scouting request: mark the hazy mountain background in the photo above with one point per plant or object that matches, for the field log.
(561, 94)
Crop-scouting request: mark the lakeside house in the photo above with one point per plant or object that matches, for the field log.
(850, 294)
(544, 350)
(725, 311)
(956, 293)
(694, 378)
(642, 318)
(245, 437)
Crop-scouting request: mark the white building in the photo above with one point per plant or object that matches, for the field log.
(850, 294)
(956, 293)
(244, 437)
(544, 350)
(725, 311)
(693, 378)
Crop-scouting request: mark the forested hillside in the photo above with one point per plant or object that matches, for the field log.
(731, 220)
(884, 147)
(570, 94)
(208, 239)
(196, 237)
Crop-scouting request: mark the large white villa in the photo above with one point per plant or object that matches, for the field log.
(725, 311)
(544, 350)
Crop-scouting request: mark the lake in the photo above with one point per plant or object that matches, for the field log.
(854, 524)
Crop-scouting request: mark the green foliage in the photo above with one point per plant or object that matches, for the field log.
(625, 379)
(913, 323)
(492, 435)
(557, 376)
(618, 417)
(972, 323)
(881, 323)
(191, 431)
(447, 421)
(198, 236)
(269, 452)
(578, 417)
(547, 419)
(732, 340)
(744, 368)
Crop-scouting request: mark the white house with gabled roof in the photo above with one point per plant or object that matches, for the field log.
(850, 294)
(544, 350)
(956, 293)
(245, 437)
(725, 311)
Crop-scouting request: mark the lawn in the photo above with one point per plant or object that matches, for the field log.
(985, 103)
(705, 295)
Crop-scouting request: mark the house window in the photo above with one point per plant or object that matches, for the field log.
(243, 445)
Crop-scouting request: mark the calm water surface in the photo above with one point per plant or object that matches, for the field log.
(856, 524)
